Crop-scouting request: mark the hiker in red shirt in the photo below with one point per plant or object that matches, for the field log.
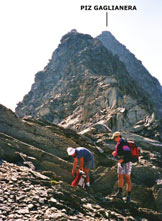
(123, 154)
(86, 160)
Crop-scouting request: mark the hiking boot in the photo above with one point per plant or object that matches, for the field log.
(118, 195)
(128, 199)
(87, 187)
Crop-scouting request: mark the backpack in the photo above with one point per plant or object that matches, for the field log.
(135, 151)
(80, 179)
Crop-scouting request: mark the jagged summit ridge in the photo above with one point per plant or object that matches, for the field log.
(143, 78)
(84, 84)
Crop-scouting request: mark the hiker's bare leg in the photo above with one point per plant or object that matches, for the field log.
(120, 180)
(129, 183)
(87, 174)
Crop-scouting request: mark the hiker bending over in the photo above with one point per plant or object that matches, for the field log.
(86, 160)
(123, 154)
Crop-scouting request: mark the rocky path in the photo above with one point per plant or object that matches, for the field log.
(28, 195)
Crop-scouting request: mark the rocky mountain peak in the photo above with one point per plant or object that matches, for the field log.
(149, 84)
(84, 84)
(74, 35)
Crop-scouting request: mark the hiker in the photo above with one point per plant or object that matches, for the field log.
(123, 154)
(86, 161)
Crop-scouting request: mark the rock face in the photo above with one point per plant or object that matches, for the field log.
(84, 84)
(148, 83)
(29, 146)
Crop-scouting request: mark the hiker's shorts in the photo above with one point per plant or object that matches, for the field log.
(89, 164)
(124, 168)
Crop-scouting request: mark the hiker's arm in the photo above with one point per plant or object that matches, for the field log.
(120, 161)
(114, 153)
(81, 163)
(74, 165)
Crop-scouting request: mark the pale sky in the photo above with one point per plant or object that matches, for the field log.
(31, 30)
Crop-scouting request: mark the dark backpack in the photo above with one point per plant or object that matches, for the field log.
(135, 151)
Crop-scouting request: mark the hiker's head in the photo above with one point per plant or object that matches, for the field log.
(71, 151)
(116, 136)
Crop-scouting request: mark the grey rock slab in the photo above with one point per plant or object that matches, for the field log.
(23, 211)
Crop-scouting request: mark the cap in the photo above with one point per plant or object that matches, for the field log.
(116, 134)
(70, 150)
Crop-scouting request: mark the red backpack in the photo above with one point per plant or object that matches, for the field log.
(135, 151)
(80, 179)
